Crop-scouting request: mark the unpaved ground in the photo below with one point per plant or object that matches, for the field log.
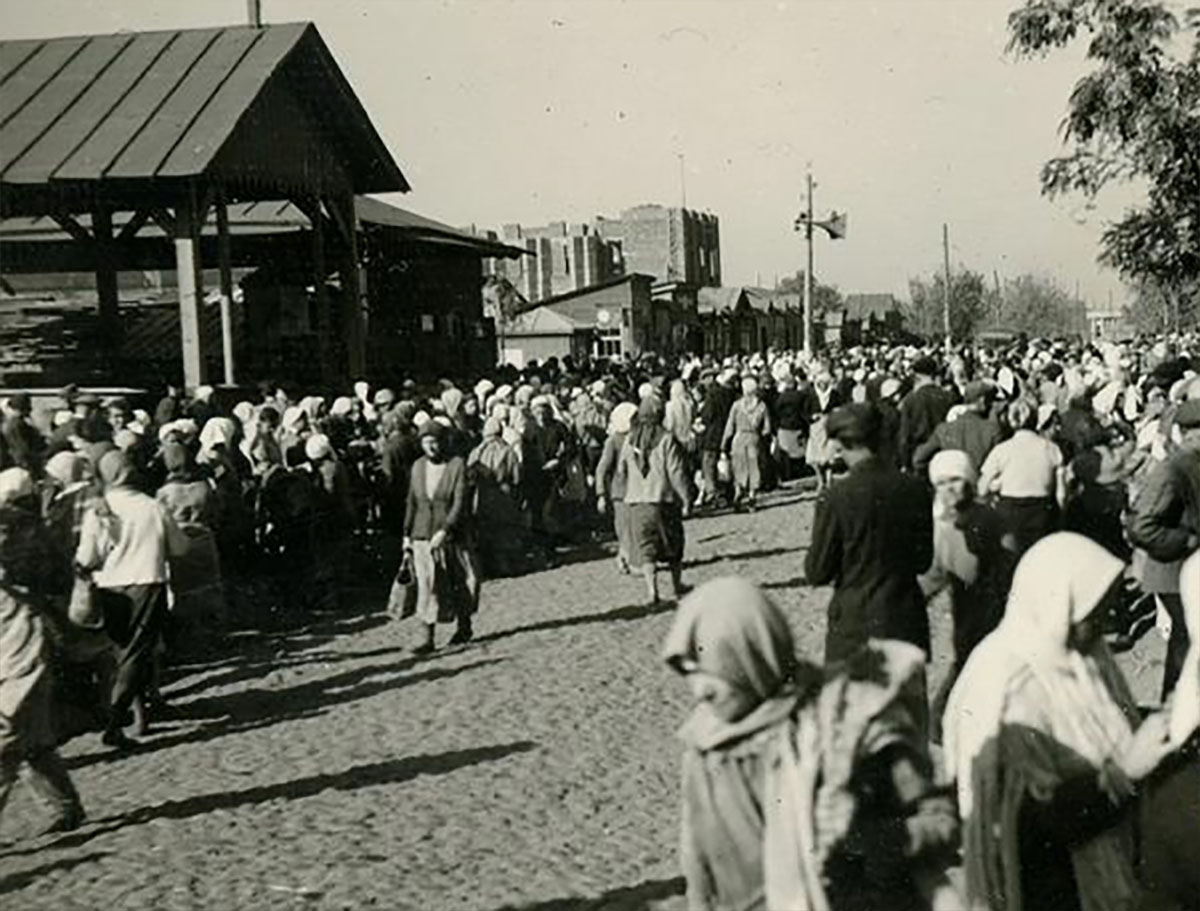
(326, 768)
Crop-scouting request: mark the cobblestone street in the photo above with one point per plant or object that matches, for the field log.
(328, 769)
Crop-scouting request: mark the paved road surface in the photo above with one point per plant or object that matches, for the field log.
(326, 768)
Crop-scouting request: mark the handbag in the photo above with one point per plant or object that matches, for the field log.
(84, 607)
(402, 599)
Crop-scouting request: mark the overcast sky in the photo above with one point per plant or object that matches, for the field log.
(529, 111)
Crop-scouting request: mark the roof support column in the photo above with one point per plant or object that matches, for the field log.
(188, 270)
(353, 323)
(321, 289)
(106, 281)
(224, 265)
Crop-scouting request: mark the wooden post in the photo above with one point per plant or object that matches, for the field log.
(224, 261)
(946, 300)
(352, 322)
(188, 270)
(106, 280)
(320, 274)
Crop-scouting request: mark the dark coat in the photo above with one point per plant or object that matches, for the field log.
(714, 414)
(970, 432)
(445, 511)
(872, 537)
(920, 412)
(1166, 514)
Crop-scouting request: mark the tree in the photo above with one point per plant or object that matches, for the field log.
(826, 298)
(1039, 308)
(1157, 309)
(1135, 117)
(969, 305)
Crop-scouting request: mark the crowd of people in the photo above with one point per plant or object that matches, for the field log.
(1052, 487)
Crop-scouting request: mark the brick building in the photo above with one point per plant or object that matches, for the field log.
(668, 244)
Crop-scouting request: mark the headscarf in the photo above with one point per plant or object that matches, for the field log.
(294, 418)
(67, 468)
(621, 418)
(126, 439)
(451, 400)
(115, 469)
(647, 431)
(311, 405)
(492, 428)
(178, 461)
(244, 412)
(1185, 707)
(341, 406)
(15, 484)
(729, 628)
(1080, 702)
(749, 386)
(952, 463)
(317, 447)
(216, 432)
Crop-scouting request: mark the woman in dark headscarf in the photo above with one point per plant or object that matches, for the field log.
(802, 789)
(196, 589)
(657, 493)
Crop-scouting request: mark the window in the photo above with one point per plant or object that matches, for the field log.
(608, 343)
(428, 322)
(567, 258)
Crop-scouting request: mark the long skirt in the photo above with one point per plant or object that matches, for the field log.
(747, 474)
(197, 593)
(791, 443)
(819, 452)
(1028, 519)
(447, 582)
(26, 719)
(656, 533)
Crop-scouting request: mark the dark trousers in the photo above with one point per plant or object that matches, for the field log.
(133, 618)
(1177, 645)
(708, 470)
(1028, 519)
(46, 774)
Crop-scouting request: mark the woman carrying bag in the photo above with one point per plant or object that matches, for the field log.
(437, 536)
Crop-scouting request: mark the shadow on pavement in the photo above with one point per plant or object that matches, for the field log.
(253, 709)
(627, 898)
(794, 582)
(627, 613)
(391, 771)
(744, 555)
(23, 879)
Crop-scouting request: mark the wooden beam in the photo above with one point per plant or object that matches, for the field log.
(189, 273)
(353, 323)
(134, 225)
(320, 273)
(68, 223)
(224, 264)
(106, 280)
(164, 219)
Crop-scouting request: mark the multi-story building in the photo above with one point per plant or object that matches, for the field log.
(668, 244)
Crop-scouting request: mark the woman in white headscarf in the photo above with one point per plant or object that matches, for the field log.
(1040, 738)
(748, 424)
(610, 483)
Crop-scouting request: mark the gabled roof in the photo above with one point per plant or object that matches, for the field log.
(764, 299)
(543, 320)
(875, 306)
(137, 105)
(720, 300)
(591, 289)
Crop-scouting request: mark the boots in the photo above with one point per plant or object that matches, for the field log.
(427, 647)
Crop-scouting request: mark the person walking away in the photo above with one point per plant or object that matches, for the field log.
(802, 788)
(1165, 523)
(1044, 742)
(972, 432)
(1026, 475)
(610, 482)
(437, 533)
(28, 576)
(125, 543)
(872, 537)
(1097, 499)
(198, 614)
(925, 406)
(748, 424)
(680, 421)
(789, 439)
(657, 494)
(335, 519)
(495, 476)
(970, 559)
(23, 442)
(714, 415)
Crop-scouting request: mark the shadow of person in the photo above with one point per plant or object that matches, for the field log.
(625, 898)
(20, 880)
(627, 613)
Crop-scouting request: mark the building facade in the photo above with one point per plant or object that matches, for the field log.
(668, 244)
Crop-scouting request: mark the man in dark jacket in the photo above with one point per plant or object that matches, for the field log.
(974, 431)
(922, 410)
(1165, 522)
(714, 413)
(23, 443)
(872, 537)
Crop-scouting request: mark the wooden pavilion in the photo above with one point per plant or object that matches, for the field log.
(107, 134)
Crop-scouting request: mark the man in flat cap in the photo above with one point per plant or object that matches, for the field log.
(872, 537)
(921, 410)
(1165, 522)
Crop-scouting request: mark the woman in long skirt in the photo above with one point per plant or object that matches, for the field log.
(495, 475)
(749, 423)
(438, 534)
(610, 480)
(821, 400)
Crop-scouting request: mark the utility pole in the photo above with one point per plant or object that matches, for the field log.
(808, 272)
(254, 13)
(682, 179)
(946, 295)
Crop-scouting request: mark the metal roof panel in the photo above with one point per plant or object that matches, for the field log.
(154, 144)
(31, 78)
(217, 120)
(16, 53)
(92, 159)
(46, 109)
